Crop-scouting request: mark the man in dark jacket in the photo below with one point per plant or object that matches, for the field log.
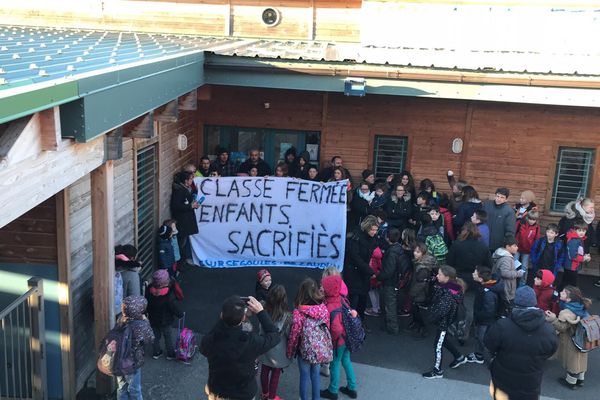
(223, 165)
(394, 263)
(521, 344)
(501, 218)
(336, 162)
(183, 204)
(232, 352)
(254, 160)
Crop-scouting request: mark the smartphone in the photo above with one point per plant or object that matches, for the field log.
(201, 199)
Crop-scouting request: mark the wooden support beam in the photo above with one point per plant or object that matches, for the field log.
(39, 381)
(141, 127)
(204, 92)
(50, 129)
(63, 246)
(168, 112)
(20, 140)
(189, 102)
(102, 190)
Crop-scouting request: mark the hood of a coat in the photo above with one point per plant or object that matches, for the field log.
(529, 319)
(572, 234)
(501, 252)
(547, 278)
(496, 286)
(570, 211)
(134, 307)
(332, 285)
(305, 155)
(318, 312)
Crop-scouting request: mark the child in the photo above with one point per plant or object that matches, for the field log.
(479, 218)
(428, 187)
(333, 300)
(504, 267)
(418, 291)
(253, 172)
(574, 256)
(525, 205)
(163, 307)
(174, 241)
(447, 218)
(548, 252)
(383, 228)
(381, 196)
(332, 271)
(134, 307)
(573, 307)
(528, 231)
(308, 341)
(421, 209)
(375, 265)
(129, 268)
(486, 310)
(166, 255)
(430, 234)
(275, 360)
(447, 294)
(544, 291)
(263, 284)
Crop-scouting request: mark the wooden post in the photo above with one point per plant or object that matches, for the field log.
(63, 246)
(103, 260)
(38, 340)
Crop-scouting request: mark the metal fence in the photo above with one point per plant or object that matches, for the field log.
(22, 346)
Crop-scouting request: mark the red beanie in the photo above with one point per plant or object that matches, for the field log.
(547, 278)
(262, 274)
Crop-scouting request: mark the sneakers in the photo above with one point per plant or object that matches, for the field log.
(372, 313)
(325, 370)
(404, 313)
(458, 362)
(572, 386)
(597, 284)
(433, 374)
(170, 357)
(349, 392)
(158, 355)
(475, 358)
(326, 394)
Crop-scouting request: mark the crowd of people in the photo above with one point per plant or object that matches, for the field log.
(412, 252)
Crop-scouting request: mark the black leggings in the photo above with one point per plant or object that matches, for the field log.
(443, 339)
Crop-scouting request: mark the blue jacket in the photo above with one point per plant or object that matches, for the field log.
(538, 249)
(574, 252)
(487, 304)
(166, 255)
(484, 230)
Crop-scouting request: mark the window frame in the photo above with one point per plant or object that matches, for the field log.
(406, 142)
(555, 179)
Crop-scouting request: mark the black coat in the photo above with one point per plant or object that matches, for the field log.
(231, 355)
(521, 344)
(359, 207)
(263, 168)
(182, 211)
(395, 263)
(399, 212)
(465, 255)
(162, 310)
(357, 272)
(463, 214)
(487, 304)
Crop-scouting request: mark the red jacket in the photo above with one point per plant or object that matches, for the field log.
(526, 235)
(375, 265)
(448, 227)
(544, 292)
(333, 300)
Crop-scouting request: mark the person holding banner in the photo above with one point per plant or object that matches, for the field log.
(357, 272)
(183, 204)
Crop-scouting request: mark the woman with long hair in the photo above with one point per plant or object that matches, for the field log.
(467, 252)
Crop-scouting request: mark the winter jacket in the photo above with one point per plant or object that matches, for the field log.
(526, 235)
(484, 231)
(521, 344)
(448, 225)
(444, 304)
(379, 202)
(421, 279)
(501, 221)
(317, 311)
(375, 264)
(486, 306)
(227, 169)
(359, 207)
(163, 307)
(395, 263)
(567, 222)
(276, 357)
(232, 353)
(574, 251)
(545, 292)
(333, 301)
(398, 212)
(504, 269)
(133, 315)
(357, 271)
(465, 255)
(263, 168)
(129, 270)
(182, 211)
(573, 360)
(537, 250)
(166, 255)
(465, 212)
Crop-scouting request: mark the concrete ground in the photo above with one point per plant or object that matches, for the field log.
(387, 367)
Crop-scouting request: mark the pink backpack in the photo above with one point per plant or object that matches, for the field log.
(186, 342)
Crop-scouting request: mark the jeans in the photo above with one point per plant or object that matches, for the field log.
(442, 339)
(129, 387)
(524, 259)
(341, 355)
(480, 331)
(166, 332)
(309, 371)
(269, 383)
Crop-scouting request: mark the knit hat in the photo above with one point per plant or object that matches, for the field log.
(262, 274)
(164, 232)
(160, 278)
(525, 297)
(547, 277)
(366, 173)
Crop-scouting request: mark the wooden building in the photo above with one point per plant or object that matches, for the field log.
(94, 103)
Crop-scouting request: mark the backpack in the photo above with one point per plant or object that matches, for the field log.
(587, 334)
(118, 292)
(460, 328)
(186, 342)
(437, 247)
(315, 342)
(116, 356)
(354, 333)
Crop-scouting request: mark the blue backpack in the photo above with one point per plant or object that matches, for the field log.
(354, 331)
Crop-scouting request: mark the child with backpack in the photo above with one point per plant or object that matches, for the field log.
(430, 234)
(310, 340)
(424, 265)
(573, 308)
(166, 254)
(163, 307)
(275, 360)
(544, 291)
(528, 231)
(574, 253)
(548, 252)
(446, 297)
(341, 353)
(174, 241)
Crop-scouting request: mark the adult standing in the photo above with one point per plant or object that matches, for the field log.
(501, 218)
(521, 345)
(183, 204)
(336, 162)
(254, 161)
(399, 208)
(467, 252)
(223, 165)
(232, 352)
(357, 272)
(469, 203)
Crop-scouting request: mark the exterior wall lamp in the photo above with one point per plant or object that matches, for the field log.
(355, 87)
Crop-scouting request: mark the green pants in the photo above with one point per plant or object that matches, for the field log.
(389, 298)
(341, 355)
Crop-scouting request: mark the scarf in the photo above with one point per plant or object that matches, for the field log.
(587, 217)
(576, 307)
(366, 196)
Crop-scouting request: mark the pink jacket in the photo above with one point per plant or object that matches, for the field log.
(318, 311)
(375, 265)
(333, 301)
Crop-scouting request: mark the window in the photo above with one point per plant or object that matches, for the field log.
(147, 219)
(573, 174)
(390, 155)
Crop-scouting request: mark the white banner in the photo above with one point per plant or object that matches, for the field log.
(251, 222)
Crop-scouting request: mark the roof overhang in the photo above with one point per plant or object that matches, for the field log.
(404, 81)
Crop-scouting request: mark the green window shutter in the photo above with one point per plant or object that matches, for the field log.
(573, 175)
(389, 155)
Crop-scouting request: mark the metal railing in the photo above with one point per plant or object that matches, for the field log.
(22, 346)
